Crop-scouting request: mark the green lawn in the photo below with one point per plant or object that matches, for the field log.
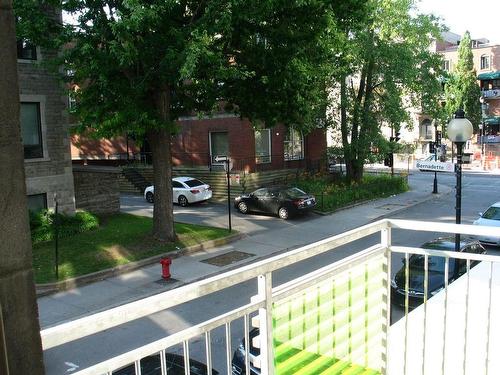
(120, 239)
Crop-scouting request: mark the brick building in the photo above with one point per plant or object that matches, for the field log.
(199, 141)
(44, 129)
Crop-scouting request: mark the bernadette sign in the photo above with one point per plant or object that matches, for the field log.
(435, 166)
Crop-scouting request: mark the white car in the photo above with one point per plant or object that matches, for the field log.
(185, 190)
(490, 218)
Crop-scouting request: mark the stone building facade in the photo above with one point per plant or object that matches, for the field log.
(45, 133)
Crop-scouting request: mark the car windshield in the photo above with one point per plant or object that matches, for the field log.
(194, 183)
(293, 193)
(436, 264)
(492, 213)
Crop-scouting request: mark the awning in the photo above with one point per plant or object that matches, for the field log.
(493, 120)
(488, 76)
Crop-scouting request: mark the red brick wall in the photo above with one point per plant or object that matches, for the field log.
(191, 145)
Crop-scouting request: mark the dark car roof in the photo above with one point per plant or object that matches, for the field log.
(447, 243)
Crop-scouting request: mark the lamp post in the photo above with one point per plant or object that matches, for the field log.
(459, 131)
(437, 145)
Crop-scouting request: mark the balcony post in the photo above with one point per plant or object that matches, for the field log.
(386, 242)
(265, 290)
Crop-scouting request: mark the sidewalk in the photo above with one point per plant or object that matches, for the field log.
(114, 291)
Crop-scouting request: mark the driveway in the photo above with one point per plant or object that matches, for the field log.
(215, 214)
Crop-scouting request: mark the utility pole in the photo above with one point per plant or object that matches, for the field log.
(20, 343)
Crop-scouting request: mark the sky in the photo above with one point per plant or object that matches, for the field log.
(479, 17)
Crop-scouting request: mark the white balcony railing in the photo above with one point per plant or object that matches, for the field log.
(334, 319)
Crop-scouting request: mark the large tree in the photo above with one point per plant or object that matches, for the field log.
(387, 69)
(142, 64)
(462, 90)
(20, 344)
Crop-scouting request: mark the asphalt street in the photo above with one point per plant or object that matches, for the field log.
(264, 235)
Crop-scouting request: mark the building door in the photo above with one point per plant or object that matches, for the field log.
(219, 146)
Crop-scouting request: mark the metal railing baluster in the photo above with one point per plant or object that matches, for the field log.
(208, 350)
(163, 362)
(426, 291)
(490, 282)
(137, 365)
(228, 348)
(407, 287)
(246, 322)
(187, 367)
(446, 272)
(466, 314)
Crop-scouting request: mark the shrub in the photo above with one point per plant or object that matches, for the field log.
(332, 195)
(42, 224)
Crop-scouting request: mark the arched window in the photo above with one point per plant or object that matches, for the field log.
(426, 131)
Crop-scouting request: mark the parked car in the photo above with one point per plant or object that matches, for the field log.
(491, 217)
(238, 366)
(436, 268)
(174, 362)
(185, 190)
(279, 200)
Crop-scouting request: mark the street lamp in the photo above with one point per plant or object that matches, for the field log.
(459, 131)
(437, 146)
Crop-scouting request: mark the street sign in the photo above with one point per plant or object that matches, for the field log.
(435, 166)
(220, 158)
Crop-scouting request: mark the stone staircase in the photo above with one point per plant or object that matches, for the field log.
(216, 179)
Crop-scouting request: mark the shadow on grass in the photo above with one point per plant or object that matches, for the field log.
(119, 240)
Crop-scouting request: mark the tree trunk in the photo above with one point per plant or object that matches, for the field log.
(161, 148)
(20, 343)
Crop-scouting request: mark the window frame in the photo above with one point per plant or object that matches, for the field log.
(34, 48)
(40, 99)
(44, 197)
(263, 158)
(426, 128)
(288, 140)
(212, 155)
(485, 62)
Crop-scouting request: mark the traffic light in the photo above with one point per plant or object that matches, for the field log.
(389, 160)
(396, 138)
(432, 148)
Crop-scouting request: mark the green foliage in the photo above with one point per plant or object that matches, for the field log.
(333, 195)
(42, 224)
(388, 70)
(462, 90)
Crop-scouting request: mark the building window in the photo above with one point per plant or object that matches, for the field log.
(446, 65)
(219, 145)
(426, 131)
(263, 146)
(31, 130)
(485, 62)
(26, 50)
(294, 145)
(37, 202)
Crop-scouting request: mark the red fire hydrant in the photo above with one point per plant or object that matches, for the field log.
(165, 267)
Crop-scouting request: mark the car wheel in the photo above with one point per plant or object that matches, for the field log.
(242, 207)
(283, 213)
(150, 197)
(183, 201)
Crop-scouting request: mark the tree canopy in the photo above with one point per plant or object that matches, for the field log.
(462, 90)
(140, 65)
(388, 70)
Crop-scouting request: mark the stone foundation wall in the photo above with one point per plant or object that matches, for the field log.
(97, 189)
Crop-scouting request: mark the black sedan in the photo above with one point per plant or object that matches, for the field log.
(278, 200)
(436, 270)
(175, 366)
(238, 365)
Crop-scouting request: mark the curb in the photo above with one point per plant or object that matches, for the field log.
(49, 288)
